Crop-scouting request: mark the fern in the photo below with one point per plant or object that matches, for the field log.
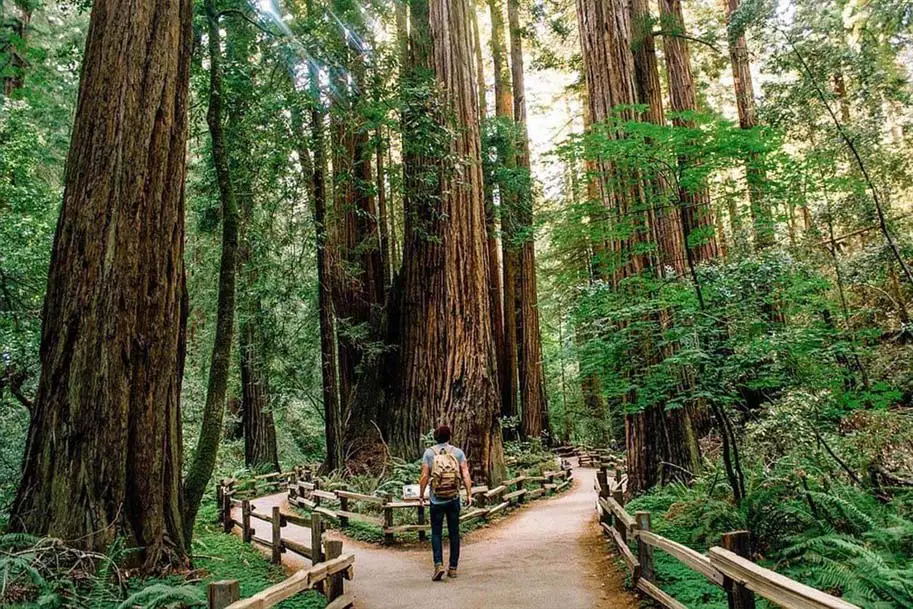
(162, 595)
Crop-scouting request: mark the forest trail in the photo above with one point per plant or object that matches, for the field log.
(546, 555)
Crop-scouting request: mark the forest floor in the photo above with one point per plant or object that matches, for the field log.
(548, 554)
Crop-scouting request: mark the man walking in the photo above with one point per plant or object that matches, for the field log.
(444, 466)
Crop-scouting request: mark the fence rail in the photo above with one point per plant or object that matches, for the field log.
(326, 577)
(340, 505)
(726, 566)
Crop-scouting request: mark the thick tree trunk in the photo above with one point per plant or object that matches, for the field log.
(447, 359)
(695, 202)
(529, 341)
(260, 451)
(204, 457)
(504, 110)
(103, 456)
(360, 271)
(665, 222)
(653, 435)
(748, 119)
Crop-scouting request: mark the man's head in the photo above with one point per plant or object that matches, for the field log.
(442, 434)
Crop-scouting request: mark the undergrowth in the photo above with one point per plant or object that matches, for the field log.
(42, 573)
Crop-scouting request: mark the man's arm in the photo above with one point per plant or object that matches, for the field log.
(467, 482)
(423, 482)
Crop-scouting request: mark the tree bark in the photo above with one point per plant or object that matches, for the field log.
(204, 457)
(494, 266)
(360, 270)
(695, 203)
(504, 111)
(260, 450)
(762, 220)
(315, 170)
(529, 341)
(652, 435)
(103, 455)
(665, 223)
(447, 360)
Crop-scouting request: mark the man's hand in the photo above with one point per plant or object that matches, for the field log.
(468, 499)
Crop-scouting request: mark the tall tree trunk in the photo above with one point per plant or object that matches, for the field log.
(204, 457)
(383, 220)
(260, 450)
(761, 217)
(665, 223)
(529, 341)
(315, 170)
(504, 111)
(360, 266)
(695, 202)
(447, 356)
(653, 435)
(494, 267)
(103, 455)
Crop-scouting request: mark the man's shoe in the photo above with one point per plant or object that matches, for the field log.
(452, 572)
(438, 573)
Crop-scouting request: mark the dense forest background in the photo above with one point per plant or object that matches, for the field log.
(680, 229)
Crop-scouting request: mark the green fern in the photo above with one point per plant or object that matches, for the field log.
(160, 595)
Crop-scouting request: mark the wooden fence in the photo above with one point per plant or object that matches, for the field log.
(725, 566)
(327, 577)
(277, 520)
(341, 505)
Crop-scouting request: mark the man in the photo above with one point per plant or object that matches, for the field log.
(443, 467)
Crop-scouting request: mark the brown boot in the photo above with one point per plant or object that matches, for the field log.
(438, 573)
(452, 572)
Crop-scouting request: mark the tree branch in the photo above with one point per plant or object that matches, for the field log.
(672, 34)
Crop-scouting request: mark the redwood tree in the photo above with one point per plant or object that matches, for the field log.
(529, 341)
(654, 437)
(504, 111)
(447, 358)
(103, 457)
(748, 119)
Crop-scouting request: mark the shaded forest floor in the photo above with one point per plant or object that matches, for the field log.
(546, 555)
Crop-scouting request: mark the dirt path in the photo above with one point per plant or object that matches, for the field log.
(546, 556)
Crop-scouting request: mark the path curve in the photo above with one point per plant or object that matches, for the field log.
(547, 555)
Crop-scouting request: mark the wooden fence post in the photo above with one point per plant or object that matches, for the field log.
(293, 484)
(277, 536)
(343, 506)
(333, 589)
(645, 550)
(316, 538)
(618, 496)
(740, 597)
(226, 512)
(220, 499)
(421, 520)
(245, 521)
(388, 522)
(222, 593)
(602, 476)
(316, 498)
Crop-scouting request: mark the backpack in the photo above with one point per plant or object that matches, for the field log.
(445, 475)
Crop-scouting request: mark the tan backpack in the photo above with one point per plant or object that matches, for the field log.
(445, 475)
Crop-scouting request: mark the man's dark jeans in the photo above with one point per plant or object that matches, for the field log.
(451, 510)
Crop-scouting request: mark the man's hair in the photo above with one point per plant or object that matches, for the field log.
(442, 434)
